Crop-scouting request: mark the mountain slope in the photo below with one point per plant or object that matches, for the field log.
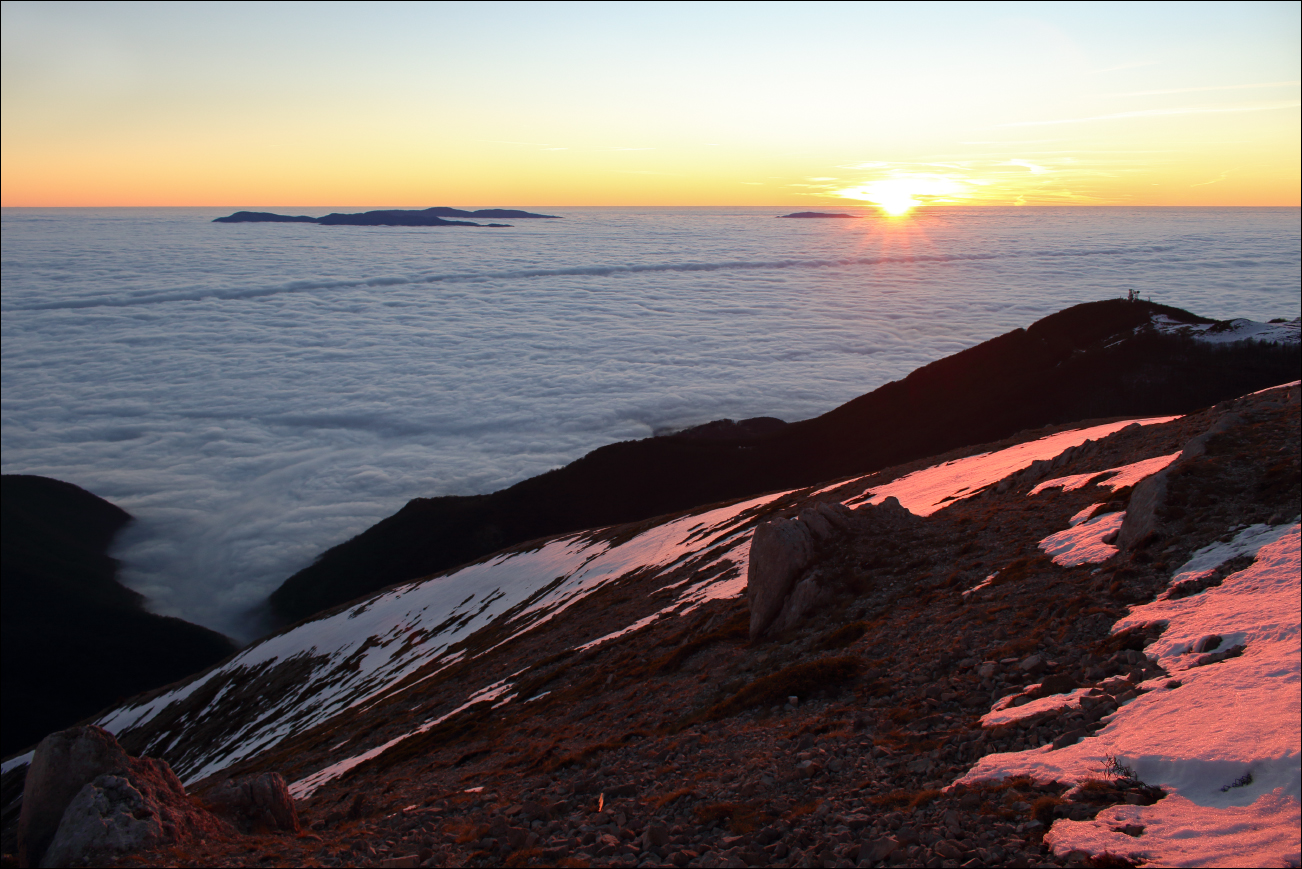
(1095, 360)
(594, 696)
(74, 639)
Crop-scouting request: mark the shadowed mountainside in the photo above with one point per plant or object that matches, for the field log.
(1095, 360)
(76, 640)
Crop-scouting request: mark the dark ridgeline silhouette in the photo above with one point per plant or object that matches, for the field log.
(817, 214)
(1090, 361)
(390, 217)
(264, 217)
(75, 640)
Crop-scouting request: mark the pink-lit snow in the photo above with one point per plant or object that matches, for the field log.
(926, 491)
(1118, 478)
(1083, 543)
(1003, 712)
(1200, 741)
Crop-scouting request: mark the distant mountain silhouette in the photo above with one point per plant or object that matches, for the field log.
(1093, 360)
(389, 217)
(817, 214)
(75, 640)
(263, 217)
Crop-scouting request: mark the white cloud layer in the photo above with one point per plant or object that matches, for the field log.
(257, 393)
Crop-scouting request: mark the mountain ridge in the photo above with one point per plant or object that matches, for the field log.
(618, 715)
(1020, 380)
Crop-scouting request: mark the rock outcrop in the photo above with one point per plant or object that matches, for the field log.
(1148, 500)
(779, 553)
(256, 803)
(86, 799)
(62, 765)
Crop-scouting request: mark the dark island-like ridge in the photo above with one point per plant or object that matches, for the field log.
(437, 216)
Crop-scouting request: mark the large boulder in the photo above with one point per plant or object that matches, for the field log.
(108, 816)
(85, 799)
(779, 551)
(256, 803)
(61, 766)
(807, 597)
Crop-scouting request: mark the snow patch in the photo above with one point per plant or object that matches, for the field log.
(928, 490)
(1201, 741)
(1126, 475)
(15, 762)
(1004, 713)
(1291, 383)
(982, 584)
(304, 788)
(1229, 331)
(1083, 515)
(1083, 543)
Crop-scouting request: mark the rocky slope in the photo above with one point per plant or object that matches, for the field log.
(74, 639)
(1095, 360)
(1004, 665)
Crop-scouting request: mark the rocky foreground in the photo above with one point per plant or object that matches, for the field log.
(842, 727)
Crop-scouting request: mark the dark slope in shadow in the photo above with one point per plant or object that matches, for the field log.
(75, 640)
(1090, 361)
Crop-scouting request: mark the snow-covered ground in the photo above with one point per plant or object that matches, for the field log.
(1225, 743)
(1229, 331)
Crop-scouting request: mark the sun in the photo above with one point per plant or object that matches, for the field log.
(895, 202)
(898, 195)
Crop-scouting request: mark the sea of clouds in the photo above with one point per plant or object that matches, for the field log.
(255, 393)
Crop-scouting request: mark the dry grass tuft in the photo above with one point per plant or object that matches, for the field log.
(842, 636)
(1042, 809)
(904, 799)
(525, 857)
(681, 793)
(736, 629)
(800, 680)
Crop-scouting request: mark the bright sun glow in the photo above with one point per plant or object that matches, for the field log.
(899, 194)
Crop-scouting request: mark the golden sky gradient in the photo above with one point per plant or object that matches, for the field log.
(334, 105)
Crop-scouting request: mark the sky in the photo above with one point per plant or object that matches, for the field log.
(132, 104)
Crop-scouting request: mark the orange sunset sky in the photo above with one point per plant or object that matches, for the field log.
(650, 104)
